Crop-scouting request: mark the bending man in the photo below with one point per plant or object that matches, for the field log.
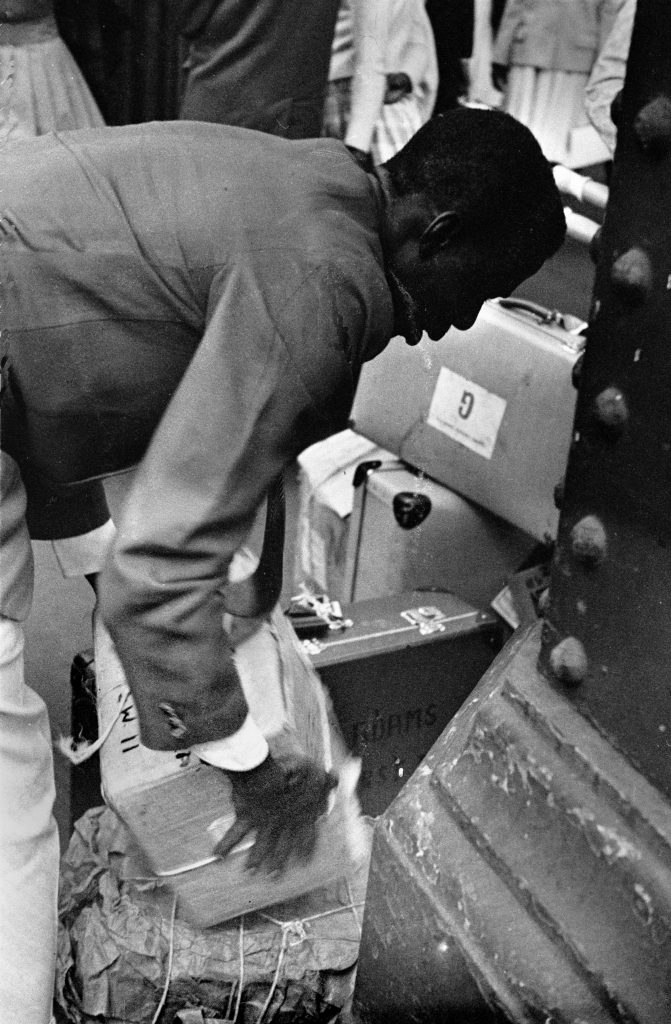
(198, 300)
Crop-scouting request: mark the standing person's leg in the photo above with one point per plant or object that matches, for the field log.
(28, 834)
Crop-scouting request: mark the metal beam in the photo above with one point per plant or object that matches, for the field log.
(607, 636)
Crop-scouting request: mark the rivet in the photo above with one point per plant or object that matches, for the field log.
(610, 411)
(588, 541)
(631, 275)
(652, 126)
(568, 661)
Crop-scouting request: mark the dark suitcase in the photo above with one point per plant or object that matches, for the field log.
(397, 675)
(407, 531)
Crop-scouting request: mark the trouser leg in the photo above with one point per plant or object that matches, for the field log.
(28, 833)
(28, 843)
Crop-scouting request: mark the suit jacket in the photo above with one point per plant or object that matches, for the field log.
(25, 10)
(607, 76)
(257, 63)
(557, 35)
(197, 299)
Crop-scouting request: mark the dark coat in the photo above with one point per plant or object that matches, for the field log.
(258, 63)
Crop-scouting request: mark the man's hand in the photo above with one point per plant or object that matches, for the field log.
(500, 76)
(280, 801)
(398, 86)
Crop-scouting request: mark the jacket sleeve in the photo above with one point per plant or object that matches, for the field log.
(419, 59)
(607, 75)
(369, 80)
(241, 413)
(512, 14)
(608, 15)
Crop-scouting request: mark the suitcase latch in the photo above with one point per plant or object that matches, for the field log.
(428, 619)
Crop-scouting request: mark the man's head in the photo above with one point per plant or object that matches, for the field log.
(472, 211)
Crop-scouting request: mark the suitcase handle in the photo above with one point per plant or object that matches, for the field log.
(571, 324)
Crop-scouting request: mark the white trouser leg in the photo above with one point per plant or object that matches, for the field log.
(28, 843)
(86, 553)
(28, 834)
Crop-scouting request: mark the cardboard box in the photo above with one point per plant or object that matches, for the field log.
(178, 808)
(397, 676)
(326, 495)
(407, 531)
(488, 412)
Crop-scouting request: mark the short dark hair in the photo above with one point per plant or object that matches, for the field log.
(489, 168)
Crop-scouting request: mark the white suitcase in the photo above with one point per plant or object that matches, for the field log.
(488, 412)
(326, 495)
(409, 532)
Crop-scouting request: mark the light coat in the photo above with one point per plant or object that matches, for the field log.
(554, 35)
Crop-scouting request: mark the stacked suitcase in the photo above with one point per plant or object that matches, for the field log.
(448, 476)
(446, 481)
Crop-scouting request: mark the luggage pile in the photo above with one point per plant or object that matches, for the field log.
(439, 503)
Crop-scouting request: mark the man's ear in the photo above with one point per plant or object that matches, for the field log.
(439, 233)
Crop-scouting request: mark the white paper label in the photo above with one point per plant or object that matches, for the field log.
(466, 412)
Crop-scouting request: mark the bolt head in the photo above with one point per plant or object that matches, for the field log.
(611, 412)
(652, 126)
(631, 276)
(589, 543)
(568, 661)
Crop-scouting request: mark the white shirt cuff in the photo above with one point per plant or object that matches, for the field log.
(240, 752)
(85, 554)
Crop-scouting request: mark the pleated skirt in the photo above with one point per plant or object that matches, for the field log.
(552, 105)
(41, 86)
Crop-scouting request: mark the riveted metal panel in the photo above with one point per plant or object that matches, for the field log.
(528, 854)
(612, 596)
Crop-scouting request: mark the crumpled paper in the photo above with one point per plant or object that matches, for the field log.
(116, 928)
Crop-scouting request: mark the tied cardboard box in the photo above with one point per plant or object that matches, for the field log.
(177, 808)
(488, 411)
(397, 674)
(326, 496)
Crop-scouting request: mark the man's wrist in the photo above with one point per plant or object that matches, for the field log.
(242, 751)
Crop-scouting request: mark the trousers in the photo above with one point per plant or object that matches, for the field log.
(29, 844)
(29, 848)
